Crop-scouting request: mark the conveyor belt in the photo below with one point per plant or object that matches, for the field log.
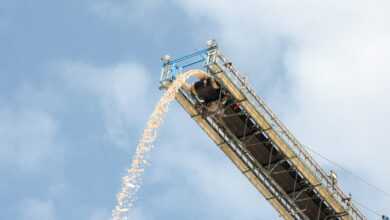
(266, 155)
(262, 148)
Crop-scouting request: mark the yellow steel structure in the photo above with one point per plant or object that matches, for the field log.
(278, 166)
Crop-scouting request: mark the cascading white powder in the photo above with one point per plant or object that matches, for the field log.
(131, 182)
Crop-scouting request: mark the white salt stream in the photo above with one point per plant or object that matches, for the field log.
(131, 182)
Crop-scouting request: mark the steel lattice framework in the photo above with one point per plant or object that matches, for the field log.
(258, 143)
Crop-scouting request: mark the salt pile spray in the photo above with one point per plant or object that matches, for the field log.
(131, 182)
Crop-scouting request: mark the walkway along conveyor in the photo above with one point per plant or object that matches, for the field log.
(262, 148)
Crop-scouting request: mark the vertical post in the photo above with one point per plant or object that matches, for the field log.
(166, 59)
(212, 52)
(165, 71)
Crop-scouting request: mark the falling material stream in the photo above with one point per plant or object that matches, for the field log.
(131, 182)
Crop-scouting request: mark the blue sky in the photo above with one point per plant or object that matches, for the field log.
(78, 80)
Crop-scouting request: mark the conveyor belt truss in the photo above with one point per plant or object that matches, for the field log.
(261, 147)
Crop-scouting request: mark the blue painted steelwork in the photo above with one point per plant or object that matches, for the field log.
(186, 57)
(171, 68)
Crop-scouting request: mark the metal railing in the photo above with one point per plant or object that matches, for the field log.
(211, 55)
(285, 134)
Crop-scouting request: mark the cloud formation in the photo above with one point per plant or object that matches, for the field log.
(121, 92)
(335, 58)
(28, 130)
(321, 65)
(35, 209)
(120, 11)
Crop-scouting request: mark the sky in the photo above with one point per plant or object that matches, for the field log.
(79, 78)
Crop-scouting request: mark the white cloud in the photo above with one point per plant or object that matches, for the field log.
(336, 61)
(130, 12)
(334, 56)
(122, 92)
(100, 214)
(27, 137)
(34, 115)
(36, 209)
(140, 214)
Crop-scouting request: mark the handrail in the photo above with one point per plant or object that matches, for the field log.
(341, 197)
(171, 68)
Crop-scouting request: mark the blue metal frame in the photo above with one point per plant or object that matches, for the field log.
(171, 68)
